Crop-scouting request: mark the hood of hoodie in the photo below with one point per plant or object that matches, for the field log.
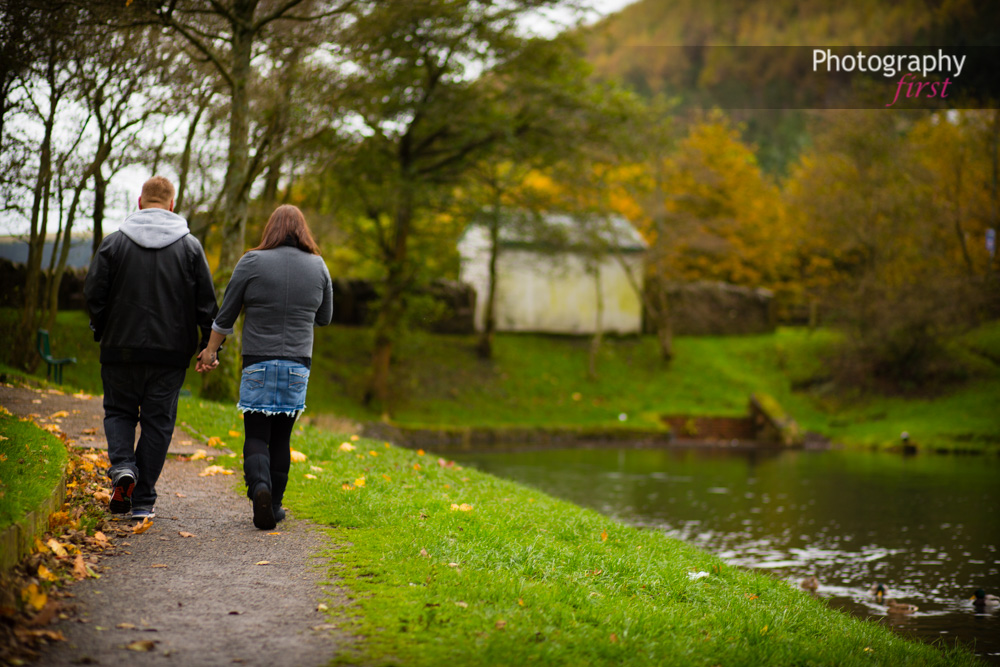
(154, 228)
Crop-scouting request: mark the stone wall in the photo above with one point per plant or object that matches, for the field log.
(718, 309)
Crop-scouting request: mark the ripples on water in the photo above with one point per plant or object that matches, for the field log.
(926, 527)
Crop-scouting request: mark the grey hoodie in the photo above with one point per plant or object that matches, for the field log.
(154, 228)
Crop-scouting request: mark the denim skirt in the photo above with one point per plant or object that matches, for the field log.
(274, 387)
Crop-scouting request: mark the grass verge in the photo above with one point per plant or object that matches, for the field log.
(541, 381)
(452, 566)
(31, 466)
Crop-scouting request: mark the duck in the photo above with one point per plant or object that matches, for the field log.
(809, 584)
(877, 591)
(893, 607)
(984, 601)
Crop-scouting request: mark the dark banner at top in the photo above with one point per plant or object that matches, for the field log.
(828, 77)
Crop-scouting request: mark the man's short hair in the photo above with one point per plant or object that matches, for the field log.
(157, 191)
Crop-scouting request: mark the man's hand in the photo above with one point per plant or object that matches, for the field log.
(207, 361)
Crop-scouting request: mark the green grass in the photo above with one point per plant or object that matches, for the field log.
(523, 578)
(31, 466)
(541, 381)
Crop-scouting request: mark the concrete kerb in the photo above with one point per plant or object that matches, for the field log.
(18, 539)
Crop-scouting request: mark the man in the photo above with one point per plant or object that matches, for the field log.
(149, 293)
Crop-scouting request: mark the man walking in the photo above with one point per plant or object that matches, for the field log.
(149, 293)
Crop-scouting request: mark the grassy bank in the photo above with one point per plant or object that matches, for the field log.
(446, 565)
(31, 466)
(538, 381)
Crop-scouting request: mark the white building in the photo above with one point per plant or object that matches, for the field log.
(551, 287)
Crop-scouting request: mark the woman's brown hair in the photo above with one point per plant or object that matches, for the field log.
(287, 224)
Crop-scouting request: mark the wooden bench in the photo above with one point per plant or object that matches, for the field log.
(45, 353)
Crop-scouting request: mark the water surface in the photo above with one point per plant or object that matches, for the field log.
(927, 527)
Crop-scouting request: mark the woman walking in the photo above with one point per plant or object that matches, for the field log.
(285, 288)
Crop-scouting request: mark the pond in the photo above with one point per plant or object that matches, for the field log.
(926, 527)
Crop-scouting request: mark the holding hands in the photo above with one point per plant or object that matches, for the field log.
(208, 359)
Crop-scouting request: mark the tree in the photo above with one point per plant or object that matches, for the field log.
(229, 35)
(427, 86)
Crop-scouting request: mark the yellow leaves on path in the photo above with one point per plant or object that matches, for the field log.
(160, 565)
(57, 548)
(141, 528)
(263, 562)
(215, 441)
(198, 455)
(59, 415)
(89, 431)
(34, 596)
(297, 456)
(184, 533)
(214, 470)
(141, 646)
(102, 496)
(83, 396)
(45, 574)
(81, 570)
(347, 447)
(464, 507)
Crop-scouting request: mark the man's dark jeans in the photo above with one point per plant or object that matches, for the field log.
(143, 394)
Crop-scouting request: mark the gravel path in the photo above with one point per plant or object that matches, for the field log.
(227, 594)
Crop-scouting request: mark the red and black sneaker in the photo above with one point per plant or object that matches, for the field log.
(121, 494)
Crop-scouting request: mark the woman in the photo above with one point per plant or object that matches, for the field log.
(285, 288)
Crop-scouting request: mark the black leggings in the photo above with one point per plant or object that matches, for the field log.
(269, 434)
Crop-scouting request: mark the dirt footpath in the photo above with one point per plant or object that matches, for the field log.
(201, 584)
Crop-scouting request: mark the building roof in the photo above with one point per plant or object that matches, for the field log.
(561, 231)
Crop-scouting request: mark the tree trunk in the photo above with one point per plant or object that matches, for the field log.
(223, 384)
(595, 342)
(391, 308)
(484, 347)
(185, 166)
(59, 267)
(100, 204)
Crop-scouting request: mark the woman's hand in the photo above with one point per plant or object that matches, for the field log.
(207, 361)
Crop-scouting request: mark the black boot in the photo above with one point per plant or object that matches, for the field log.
(279, 480)
(257, 472)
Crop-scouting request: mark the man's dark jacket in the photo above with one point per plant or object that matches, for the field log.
(149, 292)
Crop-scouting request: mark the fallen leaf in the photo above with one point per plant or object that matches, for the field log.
(140, 528)
(125, 626)
(321, 607)
(184, 533)
(57, 548)
(79, 568)
(420, 452)
(372, 452)
(416, 466)
(159, 565)
(180, 495)
(198, 455)
(102, 496)
(347, 447)
(315, 468)
(297, 456)
(604, 536)
(463, 605)
(346, 487)
(310, 476)
(59, 415)
(464, 507)
(355, 438)
(360, 481)
(423, 552)
(101, 538)
(278, 533)
(209, 471)
(34, 596)
(89, 431)
(142, 646)
(263, 562)
(501, 624)
(613, 638)
(215, 441)
(452, 564)
(386, 477)
(234, 434)
(46, 574)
